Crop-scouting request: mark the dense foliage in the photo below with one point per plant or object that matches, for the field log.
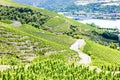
(110, 35)
(24, 15)
(55, 69)
(73, 31)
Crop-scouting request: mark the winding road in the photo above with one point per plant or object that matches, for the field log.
(84, 58)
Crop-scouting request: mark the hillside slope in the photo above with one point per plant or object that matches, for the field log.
(102, 55)
(46, 54)
(42, 67)
(48, 20)
(51, 22)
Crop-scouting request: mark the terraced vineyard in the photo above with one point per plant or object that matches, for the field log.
(19, 49)
(22, 47)
(43, 53)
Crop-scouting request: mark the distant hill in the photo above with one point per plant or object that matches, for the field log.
(74, 5)
(48, 4)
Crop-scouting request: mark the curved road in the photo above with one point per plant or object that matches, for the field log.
(85, 59)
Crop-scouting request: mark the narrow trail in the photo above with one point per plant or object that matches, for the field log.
(84, 58)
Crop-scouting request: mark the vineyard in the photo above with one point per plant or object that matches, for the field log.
(27, 44)
(102, 55)
(55, 69)
(56, 66)
(43, 53)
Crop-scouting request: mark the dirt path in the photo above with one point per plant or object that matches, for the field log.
(85, 59)
(4, 67)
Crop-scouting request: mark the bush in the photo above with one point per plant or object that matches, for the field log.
(76, 36)
(113, 45)
(110, 35)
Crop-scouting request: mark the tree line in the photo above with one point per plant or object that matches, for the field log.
(24, 15)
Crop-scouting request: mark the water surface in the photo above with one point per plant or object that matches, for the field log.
(103, 23)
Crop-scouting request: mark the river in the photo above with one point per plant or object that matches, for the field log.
(103, 23)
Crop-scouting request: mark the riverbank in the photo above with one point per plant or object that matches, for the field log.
(102, 23)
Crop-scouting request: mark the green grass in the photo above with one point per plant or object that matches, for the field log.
(54, 22)
(7, 21)
(25, 33)
(55, 19)
(62, 23)
(102, 55)
(9, 3)
(56, 66)
(59, 39)
(62, 28)
(45, 39)
(9, 59)
(58, 24)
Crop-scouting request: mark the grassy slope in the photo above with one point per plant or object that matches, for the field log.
(52, 67)
(99, 53)
(60, 39)
(26, 30)
(59, 22)
(45, 39)
(55, 19)
(55, 22)
(102, 55)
